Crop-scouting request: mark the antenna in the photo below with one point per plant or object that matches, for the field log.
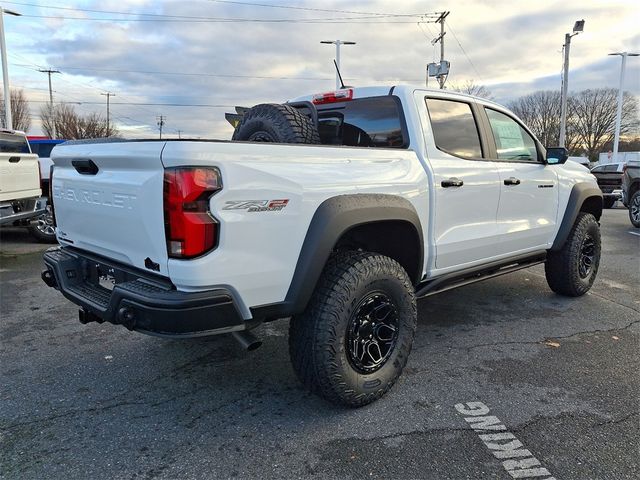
(338, 72)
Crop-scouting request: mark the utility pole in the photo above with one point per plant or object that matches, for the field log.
(337, 43)
(441, 77)
(48, 71)
(5, 71)
(108, 95)
(437, 70)
(161, 123)
(616, 139)
(577, 28)
(179, 133)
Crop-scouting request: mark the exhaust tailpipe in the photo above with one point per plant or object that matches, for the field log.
(247, 340)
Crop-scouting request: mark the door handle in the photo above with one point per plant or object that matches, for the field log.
(512, 181)
(14, 159)
(452, 182)
(85, 167)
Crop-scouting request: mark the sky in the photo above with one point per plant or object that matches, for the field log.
(192, 61)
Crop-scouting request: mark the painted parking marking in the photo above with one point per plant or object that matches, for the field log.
(634, 233)
(517, 460)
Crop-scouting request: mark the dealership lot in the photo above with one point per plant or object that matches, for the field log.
(97, 401)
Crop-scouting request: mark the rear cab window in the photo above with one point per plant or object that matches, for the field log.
(364, 122)
(10, 143)
(454, 127)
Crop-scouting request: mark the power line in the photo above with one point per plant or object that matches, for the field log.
(465, 53)
(291, 7)
(345, 20)
(137, 104)
(189, 74)
(161, 15)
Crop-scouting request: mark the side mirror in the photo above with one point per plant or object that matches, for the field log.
(556, 155)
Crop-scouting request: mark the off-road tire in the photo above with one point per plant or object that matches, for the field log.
(562, 267)
(276, 123)
(608, 202)
(318, 337)
(634, 209)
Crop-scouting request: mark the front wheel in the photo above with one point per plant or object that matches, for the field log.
(634, 209)
(572, 270)
(353, 340)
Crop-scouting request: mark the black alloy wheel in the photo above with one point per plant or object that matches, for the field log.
(372, 333)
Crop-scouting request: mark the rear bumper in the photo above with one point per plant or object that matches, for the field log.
(139, 301)
(22, 209)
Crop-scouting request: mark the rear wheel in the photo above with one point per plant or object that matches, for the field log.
(353, 341)
(276, 123)
(634, 209)
(42, 227)
(608, 202)
(572, 270)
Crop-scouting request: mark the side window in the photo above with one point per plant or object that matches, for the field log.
(512, 141)
(611, 168)
(454, 128)
(364, 122)
(597, 170)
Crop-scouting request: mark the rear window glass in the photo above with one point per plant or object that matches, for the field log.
(611, 168)
(13, 143)
(364, 122)
(454, 128)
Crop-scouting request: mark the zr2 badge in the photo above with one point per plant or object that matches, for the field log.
(256, 205)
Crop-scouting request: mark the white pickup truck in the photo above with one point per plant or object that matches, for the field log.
(395, 194)
(21, 200)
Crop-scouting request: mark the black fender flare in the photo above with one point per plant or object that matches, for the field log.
(332, 219)
(579, 194)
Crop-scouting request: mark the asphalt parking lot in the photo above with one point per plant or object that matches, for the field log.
(560, 375)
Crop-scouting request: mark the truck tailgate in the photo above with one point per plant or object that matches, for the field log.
(108, 200)
(19, 176)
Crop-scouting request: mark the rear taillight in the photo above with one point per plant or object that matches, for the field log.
(333, 97)
(53, 213)
(190, 228)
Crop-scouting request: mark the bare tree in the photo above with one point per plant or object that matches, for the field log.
(592, 116)
(63, 121)
(21, 118)
(540, 111)
(471, 88)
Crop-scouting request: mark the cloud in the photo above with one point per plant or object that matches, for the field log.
(514, 52)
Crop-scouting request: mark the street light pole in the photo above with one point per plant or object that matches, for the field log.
(5, 70)
(577, 28)
(616, 139)
(337, 43)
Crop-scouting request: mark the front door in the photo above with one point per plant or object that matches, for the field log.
(527, 214)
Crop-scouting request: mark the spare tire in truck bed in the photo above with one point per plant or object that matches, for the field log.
(269, 122)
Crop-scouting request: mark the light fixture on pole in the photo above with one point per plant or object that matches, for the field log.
(337, 43)
(616, 139)
(5, 72)
(577, 28)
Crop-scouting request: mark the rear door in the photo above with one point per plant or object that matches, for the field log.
(19, 172)
(108, 200)
(467, 185)
(527, 214)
